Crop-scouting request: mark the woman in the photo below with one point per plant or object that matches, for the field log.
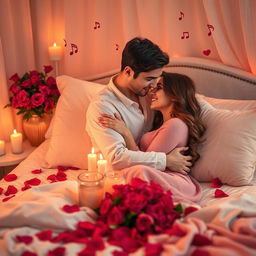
(177, 123)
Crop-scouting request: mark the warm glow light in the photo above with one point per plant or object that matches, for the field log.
(92, 150)
(101, 157)
(14, 131)
(54, 44)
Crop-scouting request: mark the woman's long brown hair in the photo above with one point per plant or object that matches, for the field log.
(185, 107)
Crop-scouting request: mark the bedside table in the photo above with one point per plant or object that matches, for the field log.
(9, 161)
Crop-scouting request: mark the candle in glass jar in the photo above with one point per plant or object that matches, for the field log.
(55, 52)
(16, 142)
(2, 147)
(102, 165)
(92, 161)
(113, 178)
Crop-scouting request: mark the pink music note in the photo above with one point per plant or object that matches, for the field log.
(73, 46)
(185, 35)
(181, 16)
(97, 25)
(65, 42)
(211, 28)
(117, 47)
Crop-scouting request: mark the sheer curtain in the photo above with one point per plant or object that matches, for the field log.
(99, 30)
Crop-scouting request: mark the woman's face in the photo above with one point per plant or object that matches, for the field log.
(159, 98)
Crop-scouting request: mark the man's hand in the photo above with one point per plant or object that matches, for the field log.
(177, 162)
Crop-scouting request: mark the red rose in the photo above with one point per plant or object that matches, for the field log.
(37, 100)
(44, 90)
(144, 222)
(50, 81)
(22, 99)
(34, 79)
(135, 202)
(105, 206)
(14, 77)
(115, 217)
(120, 233)
(48, 69)
(26, 83)
(14, 88)
(49, 104)
(33, 73)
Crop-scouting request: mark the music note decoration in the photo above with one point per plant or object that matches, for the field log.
(65, 42)
(181, 15)
(117, 47)
(74, 49)
(97, 25)
(207, 52)
(185, 35)
(210, 28)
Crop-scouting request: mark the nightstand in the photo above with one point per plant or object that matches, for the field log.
(9, 161)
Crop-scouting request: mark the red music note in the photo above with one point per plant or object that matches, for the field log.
(73, 46)
(97, 25)
(65, 42)
(185, 34)
(181, 16)
(117, 47)
(210, 27)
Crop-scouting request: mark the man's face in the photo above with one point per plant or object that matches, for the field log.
(144, 81)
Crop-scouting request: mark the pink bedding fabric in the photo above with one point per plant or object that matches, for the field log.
(173, 133)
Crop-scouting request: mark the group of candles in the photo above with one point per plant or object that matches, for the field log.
(16, 143)
(97, 181)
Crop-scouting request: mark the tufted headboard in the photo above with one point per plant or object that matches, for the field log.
(212, 78)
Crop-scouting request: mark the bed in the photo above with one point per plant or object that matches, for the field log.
(35, 198)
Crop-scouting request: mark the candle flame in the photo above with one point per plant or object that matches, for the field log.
(92, 150)
(54, 44)
(101, 157)
(14, 131)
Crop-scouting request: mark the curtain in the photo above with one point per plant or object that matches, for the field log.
(96, 32)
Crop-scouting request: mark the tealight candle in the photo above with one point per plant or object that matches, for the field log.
(113, 178)
(16, 142)
(102, 165)
(55, 52)
(2, 147)
(92, 161)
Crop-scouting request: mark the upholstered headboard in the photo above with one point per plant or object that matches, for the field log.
(211, 78)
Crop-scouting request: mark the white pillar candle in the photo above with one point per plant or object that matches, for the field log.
(16, 142)
(92, 161)
(2, 147)
(55, 52)
(102, 165)
(113, 178)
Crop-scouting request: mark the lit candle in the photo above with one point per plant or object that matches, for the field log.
(16, 142)
(2, 147)
(113, 178)
(92, 161)
(102, 165)
(55, 52)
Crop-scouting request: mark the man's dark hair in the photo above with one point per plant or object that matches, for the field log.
(142, 55)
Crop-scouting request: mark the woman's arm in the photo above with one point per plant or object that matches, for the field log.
(117, 124)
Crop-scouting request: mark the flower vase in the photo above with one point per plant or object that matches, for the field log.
(35, 128)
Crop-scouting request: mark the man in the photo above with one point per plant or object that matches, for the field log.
(126, 96)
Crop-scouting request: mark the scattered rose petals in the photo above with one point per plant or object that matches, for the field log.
(65, 168)
(11, 190)
(200, 252)
(1, 191)
(24, 239)
(95, 244)
(33, 182)
(71, 208)
(153, 249)
(120, 253)
(190, 209)
(216, 183)
(201, 240)
(65, 237)
(219, 193)
(37, 171)
(10, 177)
(27, 186)
(28, 253)
(59, 251)
(44, 235)
(52, 178)
(176, 231)
(61, 176)
(86, 252)
(8, 198)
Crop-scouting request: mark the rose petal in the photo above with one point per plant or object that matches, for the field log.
(62, 168)
(61, 176)
(74, 168)
(28, 253)
(219, 193)
(200, 252)
(33, 182)
(95, 244)
(10, 177)
(154, 249)
(1, 191)
(37, 171)
(201, 240)
(190, 209)
(70, 208)
(86, 252)
(176, 231)
(59, 251)
(120, 253)
(11, 190)
(24, 239)
(27, 186)
(52, 177)
(216, 183)
(44, 235)
(8, 198)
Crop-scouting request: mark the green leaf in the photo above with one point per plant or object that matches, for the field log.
(113, 226)
(130, 219)
(117, 200)
(178, 208)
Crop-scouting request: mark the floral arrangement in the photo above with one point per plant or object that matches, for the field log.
(35, 93)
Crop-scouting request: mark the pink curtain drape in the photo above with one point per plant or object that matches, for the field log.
(100, 29)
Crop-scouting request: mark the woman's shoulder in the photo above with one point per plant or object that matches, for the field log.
(175, 123)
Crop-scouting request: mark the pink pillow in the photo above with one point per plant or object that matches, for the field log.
(229, 151)
(69, 142)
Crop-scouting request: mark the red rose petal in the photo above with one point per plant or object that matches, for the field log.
(201, 240)
(1, 191)
(59, 251)
(62, 168)
(74, 168)
(33, 182)
(176, 231)
(37, 171)
(120, 253)
(8, 198)
(10, 177)
(153, 249)
(190, 209)
(200, 252)
(28, 253)
(27, 186)
(11, 190)
(61, 176)
(52, 177)
(216, 183)
(24, 239)
(65, 237)
(44, 235)
(70, 208)
(95, 244)
(219, 193)
(86, 252)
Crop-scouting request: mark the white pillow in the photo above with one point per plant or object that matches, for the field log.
(229, 151)
(69, 142)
